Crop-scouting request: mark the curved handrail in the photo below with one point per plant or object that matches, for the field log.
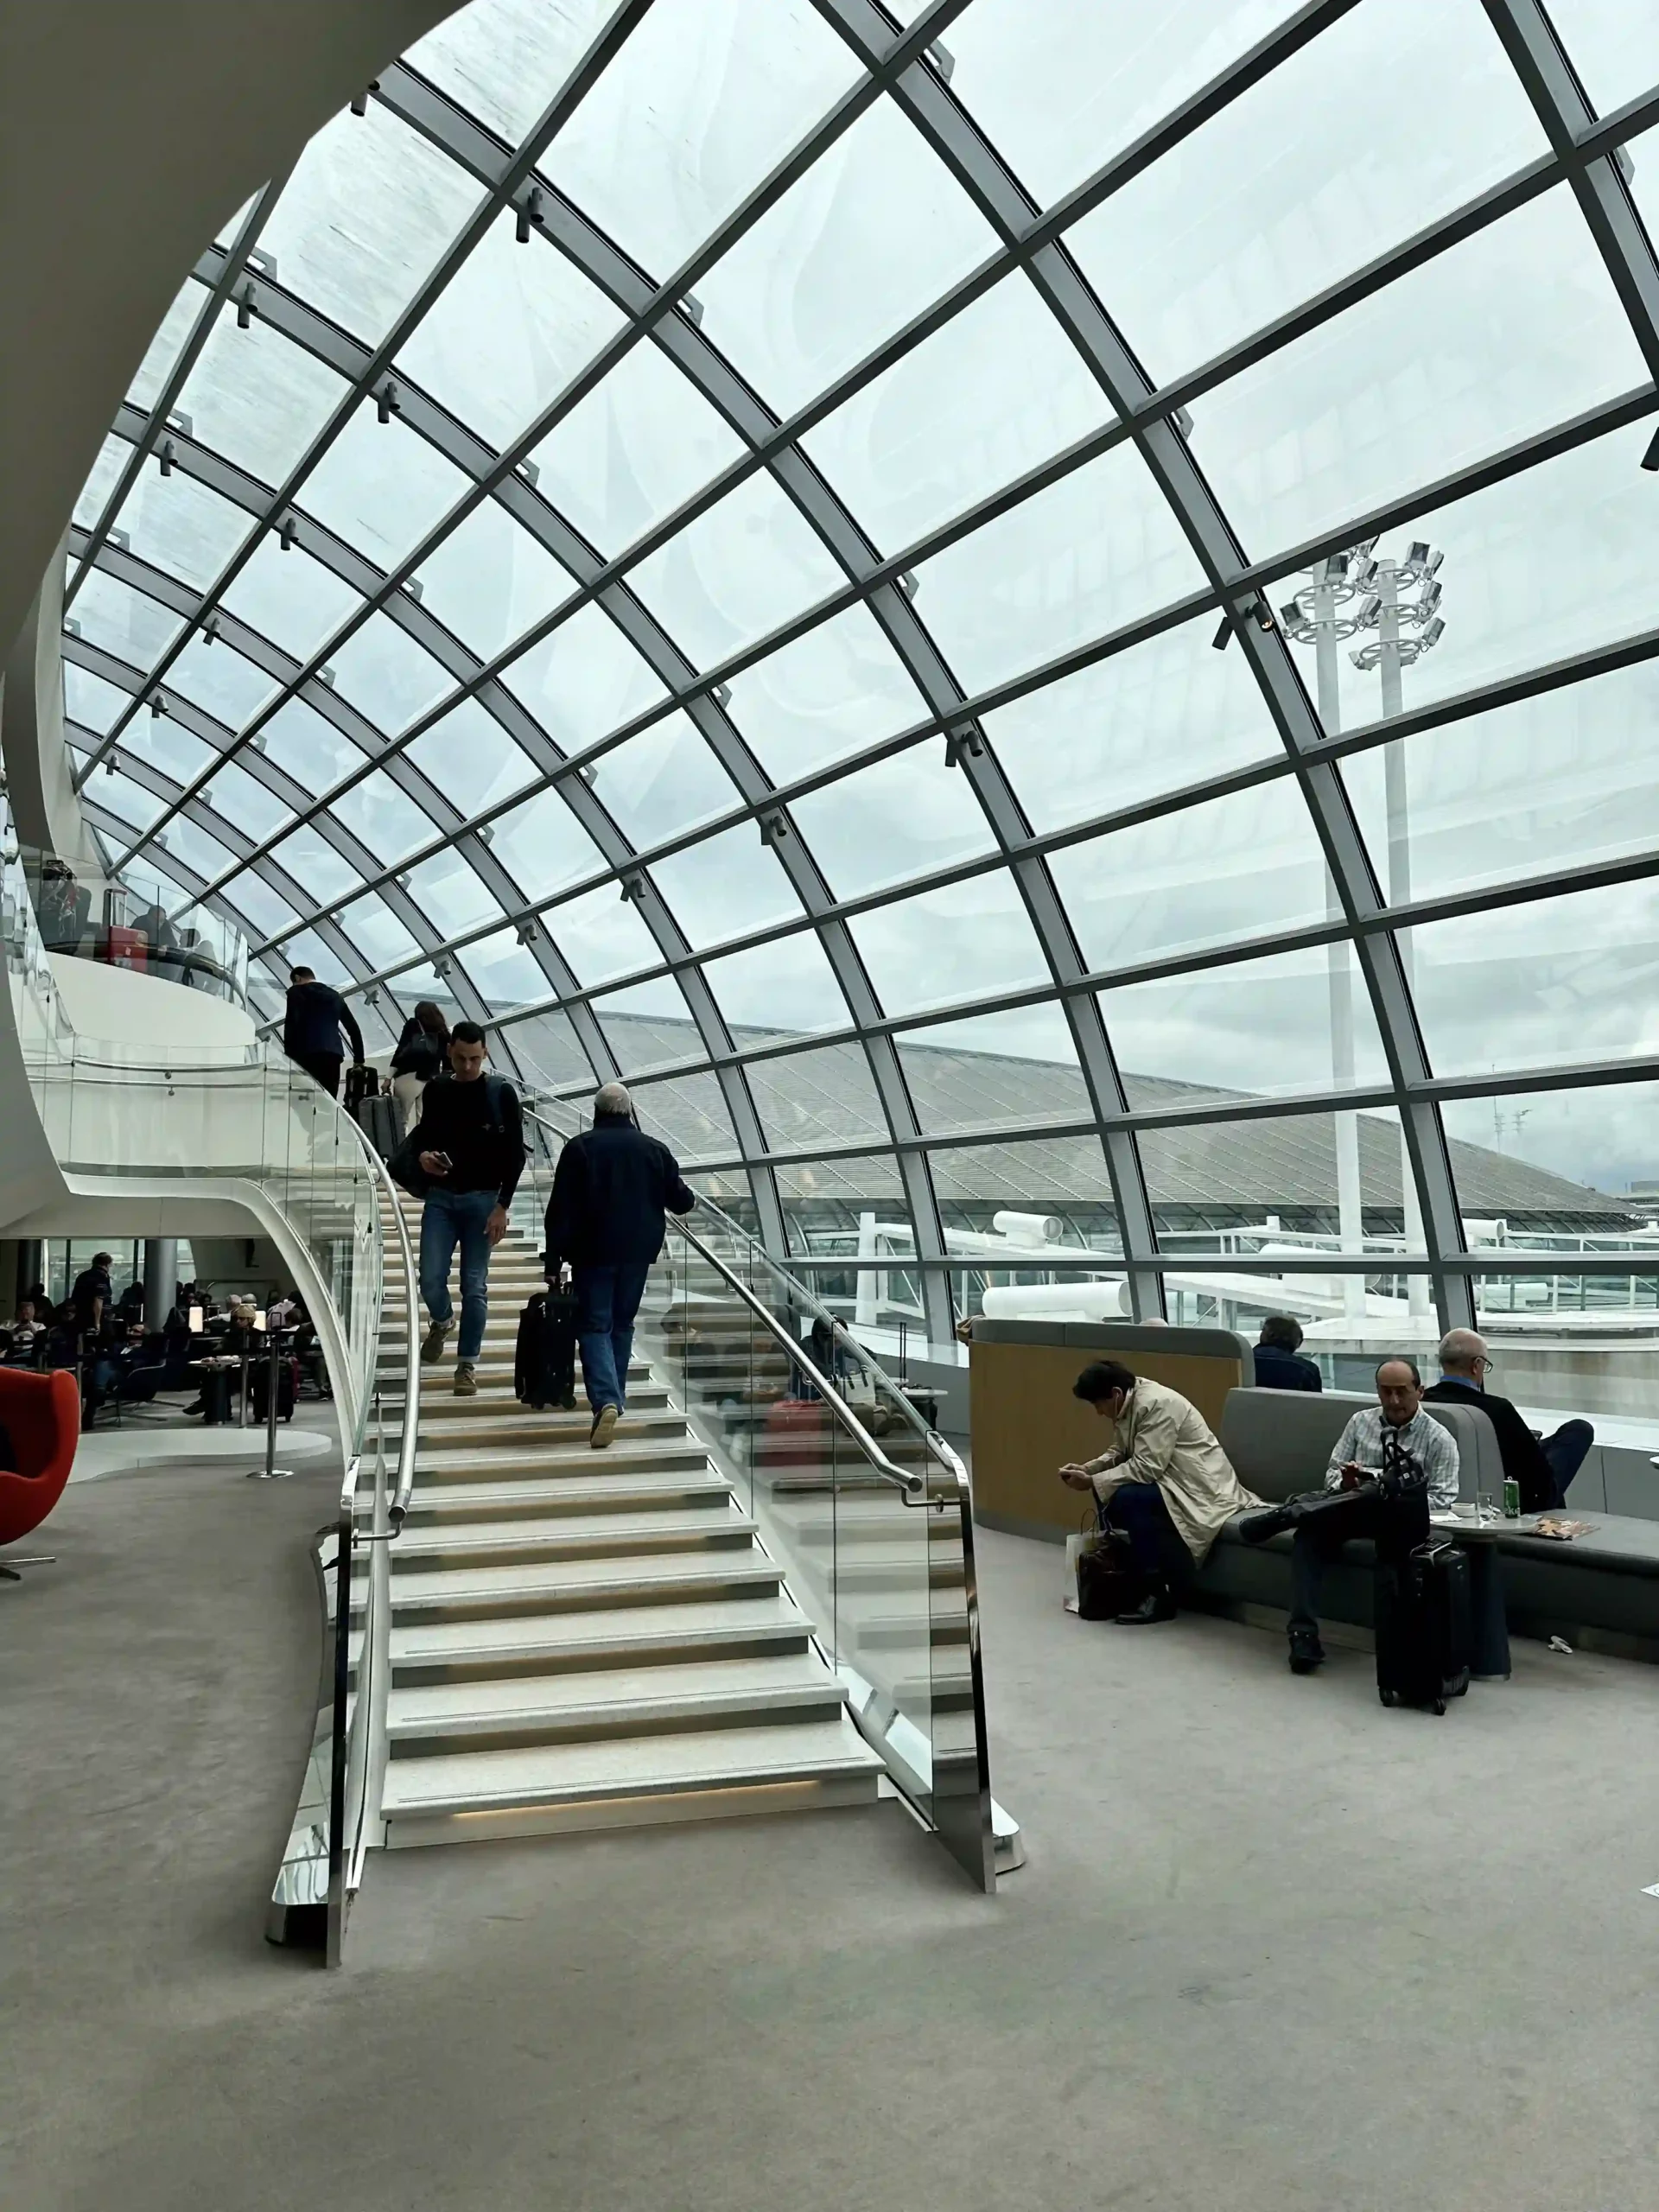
(408, 1440)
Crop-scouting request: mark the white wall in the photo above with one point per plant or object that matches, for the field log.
(115, 1006)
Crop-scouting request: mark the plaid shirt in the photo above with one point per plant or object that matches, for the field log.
(1429, 1450)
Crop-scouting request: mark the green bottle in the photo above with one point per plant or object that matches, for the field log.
(1511, 1499)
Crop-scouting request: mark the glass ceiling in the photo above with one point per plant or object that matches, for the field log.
(841, 554)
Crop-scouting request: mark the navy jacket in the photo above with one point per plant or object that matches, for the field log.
(610, 1189)
(1285, 1370)
(315, 1016)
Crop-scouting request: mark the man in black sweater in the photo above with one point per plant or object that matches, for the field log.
(1541, 1466)
(469, 1143)
(1278, 1364)
(315, 1016)
(611, 1190)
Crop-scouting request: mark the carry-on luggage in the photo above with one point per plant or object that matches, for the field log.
(361, 1082)
(795, 1434)
(1424, 1637)
(287, 1385)
(377, 1117)
(1109, 1581)
(544, 1361)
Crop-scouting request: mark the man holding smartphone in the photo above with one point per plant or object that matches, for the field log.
(469, 1147)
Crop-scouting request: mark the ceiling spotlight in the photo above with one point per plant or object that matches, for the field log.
(530, 215)
(386, 401)
(1650, 459)
(246, 308)
(288, 532)
(1220, 641)
(165, 456)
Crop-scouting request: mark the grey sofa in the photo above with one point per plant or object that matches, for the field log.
(1601, 1589)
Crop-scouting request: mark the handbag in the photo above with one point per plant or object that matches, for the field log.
(1109, 1581)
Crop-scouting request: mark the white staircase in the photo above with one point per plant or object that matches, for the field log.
(585, 1639)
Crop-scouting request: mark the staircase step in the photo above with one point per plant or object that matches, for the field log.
(639, 1456)
(578, 1585)
(569, 1536)
(451, 1426)
(640, 1635)
(536, 1496)
(433, 1717)
(628, 1780)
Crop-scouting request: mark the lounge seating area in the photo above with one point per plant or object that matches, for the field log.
(1599, 1590)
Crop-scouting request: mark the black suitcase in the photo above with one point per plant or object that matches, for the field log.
(377, 1117)
(544, 1363)
(288, 1384)
(1424, 1637)
(361, 1082)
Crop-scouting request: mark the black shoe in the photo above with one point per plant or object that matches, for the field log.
(1261, 1528)
(1156, 1605)
(1307, 1652)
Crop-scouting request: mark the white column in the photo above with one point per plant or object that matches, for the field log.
(1397, 810)
(1351, 1223)
(867, 1295)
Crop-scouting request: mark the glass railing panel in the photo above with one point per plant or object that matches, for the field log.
(133, 920)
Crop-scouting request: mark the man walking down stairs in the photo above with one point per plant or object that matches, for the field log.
(580, 1642)
(611, 1190)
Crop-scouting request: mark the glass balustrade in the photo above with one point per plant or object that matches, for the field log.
(136, 921)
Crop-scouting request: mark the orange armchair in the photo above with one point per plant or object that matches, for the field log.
(41, 1413)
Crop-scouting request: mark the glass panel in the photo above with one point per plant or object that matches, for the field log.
(584, 680)
(822, 1097)
(257, 398)
(786, 989)
(968, 941)
(504, 60)
(1000, 388)
(451, 895)
(688, 1114)
(306, 950)
(161, 740)
(387, 820)
(504, 973)
(875, 230)
(265, 911)
(895, 818)
(548, 1051)
(1276, 1176)
(1552, 981)
(425, 982)
(128, 805)
(308, 745)
(87, 699)
(507, 333)
(543, 846)
(243, 800)
(641, 443)
(1550, 563)
(191, 845)
(1061, 88)
(489, 580)
(822, 1203)
(839, 687)
(601, 935)
(386, 676)
(1086, 555)
(1578, 1344)
(363, 218)
(1232, 867)
(289, 598)
(470, 758)
(376, 932)
(1524, 327)
(736, 572)
(161, 356)
(322, 873)
(703, 100)
(725, 886)
(1016, 1067)
(1552, 782)
(663, 782)
(381, 487)
(112, 457)
(649, 1026)
(215, 675)
(1614, 47)
(181, 527)
(1061, 1178)
(136, 628)
(1538, 1165)
(1373, 131)
(1166, 713)
(1297, 1021)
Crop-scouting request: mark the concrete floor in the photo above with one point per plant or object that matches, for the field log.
(1275, 1947)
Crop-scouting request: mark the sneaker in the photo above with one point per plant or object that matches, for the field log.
(1156, 1605)
(432, 1342)
(603, 1427)
(466, 1379)
(1307, 1652)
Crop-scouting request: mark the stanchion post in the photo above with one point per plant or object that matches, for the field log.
(270, 1472)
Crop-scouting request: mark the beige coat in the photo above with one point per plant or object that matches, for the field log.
(1162, 1438)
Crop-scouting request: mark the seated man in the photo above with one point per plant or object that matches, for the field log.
(1165, 1483)
(1277, 1366)
(1391, 1462)
(1541, 1468)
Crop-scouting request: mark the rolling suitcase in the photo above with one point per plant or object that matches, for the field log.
(287, 1385)
(377, 1117)
(361, 1082)
(1424, 1639)
(544, 1361)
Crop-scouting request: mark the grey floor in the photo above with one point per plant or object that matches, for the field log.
(1275, 1947)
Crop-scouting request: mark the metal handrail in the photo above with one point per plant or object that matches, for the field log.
(408, 1440)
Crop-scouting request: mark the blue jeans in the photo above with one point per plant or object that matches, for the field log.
(607, 1301)
(452, 1217)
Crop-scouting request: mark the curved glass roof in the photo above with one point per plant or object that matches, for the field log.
(978, 598)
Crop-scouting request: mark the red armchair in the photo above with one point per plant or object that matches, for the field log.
(41, 1413)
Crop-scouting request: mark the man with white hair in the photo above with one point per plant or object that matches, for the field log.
(611, 1190)
(1541, 1467)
